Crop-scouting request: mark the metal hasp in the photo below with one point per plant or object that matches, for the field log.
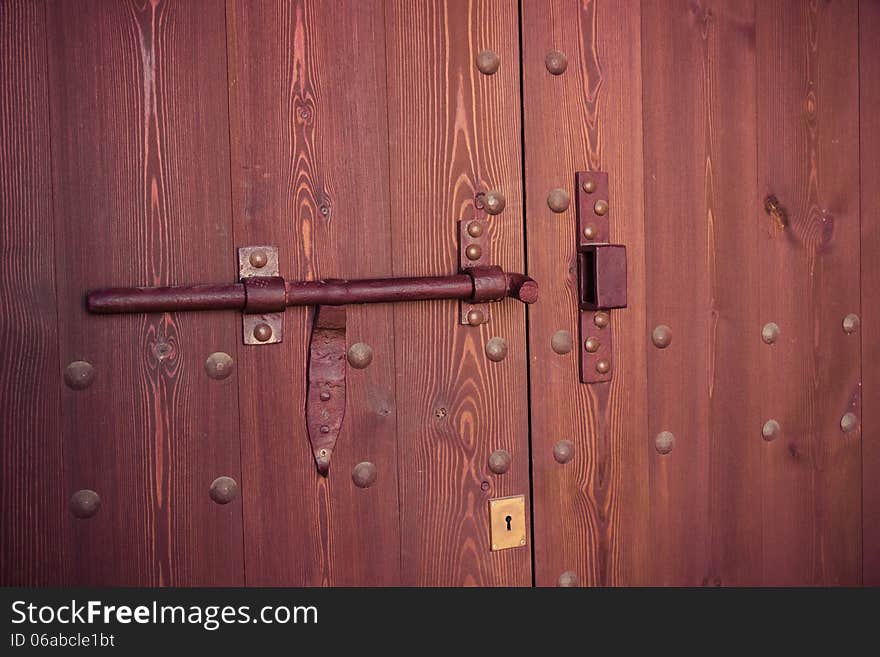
(601, 276)
(262, 295)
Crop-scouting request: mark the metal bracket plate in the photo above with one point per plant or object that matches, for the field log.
(601, 276)
(473, 234)
(260, 261)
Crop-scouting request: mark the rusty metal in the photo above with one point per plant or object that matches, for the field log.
(264, 295)
(473, 252)
(770, 333)
(567, 579)
(661, 336)
(664, 442)
(499, 461)
(473, 234)
(849, 422)
(364, 474)
(494, 202)
(475, 228)
(219, 365)
(601, 275)
(326, 375)
(79, 375)
(558, 199)
(561, 342)
(223, 490)
(556, 62)
(851, 323)
(84, 503)
(770, 430)
(496, 349)
(563, 451)
(262, 332)
(475, 317)
(360, 355)
(488, 62)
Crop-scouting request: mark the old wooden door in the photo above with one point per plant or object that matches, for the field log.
(143, 141)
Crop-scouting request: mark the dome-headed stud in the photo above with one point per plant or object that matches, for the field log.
(223, 490)
(567, 579)
(258, 259)
(563, 451)
(364, 474)
(664, 442)
(494, 202)
(603, 366)
(84, 503)
(591, 232)
(770, 430)
(262, 332)
(601, 319)
(360, 355)
(661, 336)
(475, 229)
(488, 62)
(475, 317)
(589, 186)
(851, 323)
(770, 333)
(496, 349)
(473, 252)
(561, 342)
(592, 344)
(79, 375)
(558, 200)
(556, 62)
(499, 461)
(849, 422)
(601, 207)
(218, 365)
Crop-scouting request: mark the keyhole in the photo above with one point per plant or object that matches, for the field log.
(508, 519)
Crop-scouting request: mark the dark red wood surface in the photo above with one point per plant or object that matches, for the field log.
(310, 176)
(140, 166)
(808, 145)
(33, 499)
(869, 175)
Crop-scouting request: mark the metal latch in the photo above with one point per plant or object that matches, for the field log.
(601, 276)
(262, 295)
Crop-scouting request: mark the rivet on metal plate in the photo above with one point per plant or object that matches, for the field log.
(360, 355)
(603, 366)
(79, 375)
(473, 252)
(601, 319)
(592, 344)
(664, 442)
(364, 474)
(84, 503)
(262, 332)
(601, 207)
(475, 317)
(499, 461)
(219, 365)
(475, 229)
(223, 490)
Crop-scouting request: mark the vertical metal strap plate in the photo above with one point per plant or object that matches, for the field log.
(481, 241)
(260, 261)
(325, 396)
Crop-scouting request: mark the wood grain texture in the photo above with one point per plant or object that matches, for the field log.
(33, 499)
(808, 158)
(141, 179)
(869, 137)
(455, 132)
(700, 152)
(591, 514)
(310, 175)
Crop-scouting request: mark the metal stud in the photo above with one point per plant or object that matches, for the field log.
(360, 355)
(262, 332)
(851, 323)
(589, 186)
(223, 490)
(664, 442)
(258, 259)
(558, 200)
(475, 229)
(592, 344)
(475, 317)
(496, 349)
(499, 461)
(661, 336)
(770, 430)
(364, 474)
(79, 375)
(494, 202)
(601, 319)
(601, 207)
(849, 422)
(770, 333)
(591, 232)
(473, 252)
(563, 451)
(567, 579)
(603, 366)
(219, 365)
(488, 62)
(556, 62)
(561, 342)
(84, 503)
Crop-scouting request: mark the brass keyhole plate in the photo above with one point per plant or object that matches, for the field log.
(500, 509)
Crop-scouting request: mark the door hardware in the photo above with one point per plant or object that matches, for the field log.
(601, 276)
(262, 296)
(507, 522)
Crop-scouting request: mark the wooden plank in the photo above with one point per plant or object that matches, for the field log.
(141, 179)
(808, 158)
(702, 268)
(869, 136)
(33, 500)
(310, 174)
(455, 132)
(591, 514)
